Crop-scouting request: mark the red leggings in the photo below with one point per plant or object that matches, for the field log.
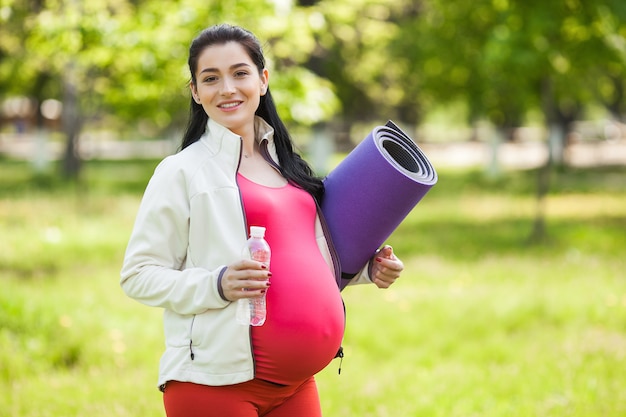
(249, 399)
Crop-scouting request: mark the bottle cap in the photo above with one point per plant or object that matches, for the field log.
(257, 231)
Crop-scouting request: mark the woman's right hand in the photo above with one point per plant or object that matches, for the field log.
(245, 279)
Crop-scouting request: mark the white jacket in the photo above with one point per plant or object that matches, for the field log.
(189, 227)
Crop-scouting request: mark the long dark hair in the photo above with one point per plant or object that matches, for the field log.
(292, 166)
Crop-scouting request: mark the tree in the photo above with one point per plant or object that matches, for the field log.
(124, 61)
(508, 58)
(352, 49)
(64, 45)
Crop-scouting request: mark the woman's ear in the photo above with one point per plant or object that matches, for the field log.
(194, 92)
(265, 78)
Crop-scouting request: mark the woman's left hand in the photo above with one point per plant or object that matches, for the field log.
(386, 267)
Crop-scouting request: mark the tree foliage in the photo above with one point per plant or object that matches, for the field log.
(123, 62)
(354, 60)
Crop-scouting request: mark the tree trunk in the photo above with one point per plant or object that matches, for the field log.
(71, 124)
(556, 144)
(342, 129)
(538, 232)
(493, 166)
(544, 175)
(321, 148)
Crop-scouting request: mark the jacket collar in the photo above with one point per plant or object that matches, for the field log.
(219, 139)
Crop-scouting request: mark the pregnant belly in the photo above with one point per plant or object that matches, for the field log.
(304, 326)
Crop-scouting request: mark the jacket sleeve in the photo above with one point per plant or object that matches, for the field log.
(154, 270)
(364, 276)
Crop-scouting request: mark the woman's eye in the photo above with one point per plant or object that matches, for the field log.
(210, 79)
(240, 74)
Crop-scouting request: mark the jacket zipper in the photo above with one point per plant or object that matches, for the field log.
(191, 354)
(245, 234)
(334, 256)
(266, 155)
(331, 247)
(243, 214)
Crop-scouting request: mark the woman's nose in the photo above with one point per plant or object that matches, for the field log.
(228, 87)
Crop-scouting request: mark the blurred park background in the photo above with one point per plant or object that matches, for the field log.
(514, 298)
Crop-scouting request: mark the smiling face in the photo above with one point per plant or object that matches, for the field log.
(229, 86)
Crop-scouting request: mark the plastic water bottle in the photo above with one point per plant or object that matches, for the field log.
(251, 311)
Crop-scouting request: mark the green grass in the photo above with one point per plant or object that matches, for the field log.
(482, 323)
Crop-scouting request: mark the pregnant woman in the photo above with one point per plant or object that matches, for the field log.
(236, 169)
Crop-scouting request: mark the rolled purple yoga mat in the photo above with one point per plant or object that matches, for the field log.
(371, 192)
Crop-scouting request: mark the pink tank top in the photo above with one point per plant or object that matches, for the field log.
(305, 316)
